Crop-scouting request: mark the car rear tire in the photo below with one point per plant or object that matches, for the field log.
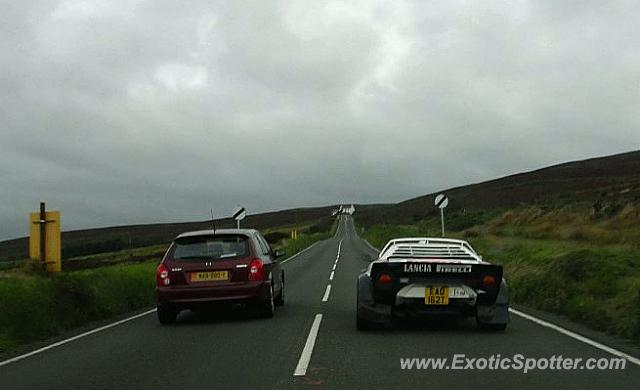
(166, 315)
(267, 308)
(279, 301)
(363, 324)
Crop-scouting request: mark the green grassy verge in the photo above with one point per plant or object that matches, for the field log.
(585, 268)
(35, 307)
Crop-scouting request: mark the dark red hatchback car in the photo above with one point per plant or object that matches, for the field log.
(205, 268)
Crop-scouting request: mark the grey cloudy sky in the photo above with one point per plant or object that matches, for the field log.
(121, 112)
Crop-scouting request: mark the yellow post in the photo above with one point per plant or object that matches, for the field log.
(52, 252)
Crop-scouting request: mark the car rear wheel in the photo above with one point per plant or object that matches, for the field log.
(267, 308)
(363, 324)
(166, 315)
(279, 301)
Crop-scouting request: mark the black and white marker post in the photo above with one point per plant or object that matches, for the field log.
(441, 202)
(238, 214)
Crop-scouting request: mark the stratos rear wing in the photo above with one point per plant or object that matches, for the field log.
(429, 249)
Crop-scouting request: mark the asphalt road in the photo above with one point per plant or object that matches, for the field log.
(234, 350)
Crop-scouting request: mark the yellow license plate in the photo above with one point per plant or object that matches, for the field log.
(436, 295)
(209, 276)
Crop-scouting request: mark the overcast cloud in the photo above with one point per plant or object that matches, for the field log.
(120, 112)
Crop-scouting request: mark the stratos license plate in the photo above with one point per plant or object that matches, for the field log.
(436, 295)
(209, 276)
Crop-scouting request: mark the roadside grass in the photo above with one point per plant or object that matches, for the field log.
(586, 225)
(568, 262)
(292, 247)
(134, 255)
(35, 306)
(307, 237)
(592, 284)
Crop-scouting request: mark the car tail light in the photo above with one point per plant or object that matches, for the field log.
(489, 281)
(256, 270)
(384, 279)
(162, 276)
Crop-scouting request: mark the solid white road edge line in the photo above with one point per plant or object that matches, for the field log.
(326, 293)
(576, 336)
(305, 357)
(59, 343)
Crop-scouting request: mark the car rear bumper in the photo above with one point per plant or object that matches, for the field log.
(186, 296)
(417, 308)
(380, 312)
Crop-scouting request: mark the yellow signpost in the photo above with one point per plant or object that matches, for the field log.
(45, 228)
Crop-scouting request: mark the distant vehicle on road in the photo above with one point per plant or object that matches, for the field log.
(203, 269)
(427, 277)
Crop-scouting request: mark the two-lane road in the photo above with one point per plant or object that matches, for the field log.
(310, 343)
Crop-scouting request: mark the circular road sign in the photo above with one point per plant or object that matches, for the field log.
(239, 213)
(441, 201)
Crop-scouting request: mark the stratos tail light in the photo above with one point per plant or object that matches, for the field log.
(256, 270)
(162, 276)
(489, 281)
(384, 279)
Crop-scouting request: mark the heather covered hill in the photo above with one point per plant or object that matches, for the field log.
(599, 182)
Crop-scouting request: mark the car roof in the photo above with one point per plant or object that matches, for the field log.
(211, 232)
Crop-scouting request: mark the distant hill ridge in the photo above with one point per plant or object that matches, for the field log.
(586, 180)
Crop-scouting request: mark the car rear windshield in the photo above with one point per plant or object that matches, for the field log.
(210, 247)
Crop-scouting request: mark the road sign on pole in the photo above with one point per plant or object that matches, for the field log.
(239, 213)
(441, 202)
(45, 239)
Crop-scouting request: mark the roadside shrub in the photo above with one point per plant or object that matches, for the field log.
(471, 233)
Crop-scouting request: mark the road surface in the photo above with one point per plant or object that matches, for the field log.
(237, 351)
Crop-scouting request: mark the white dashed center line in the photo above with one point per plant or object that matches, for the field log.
(325, 298)
(305, 357)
